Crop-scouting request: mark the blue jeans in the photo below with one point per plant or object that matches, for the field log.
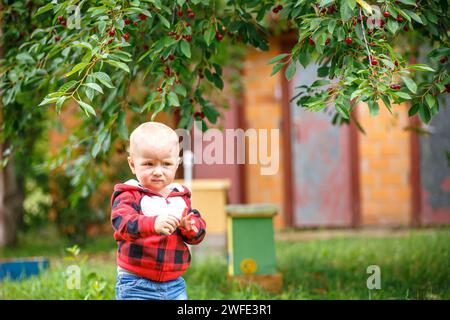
(133, 287)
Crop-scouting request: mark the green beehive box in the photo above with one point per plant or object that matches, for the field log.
(250, 238)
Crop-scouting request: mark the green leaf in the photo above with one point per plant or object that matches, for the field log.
(67, 86)
(409, 2)
(278, 58)
(431, 101)
(346, 10)
(331, 26)
(402, 94)
(181, 90)
(76, 68)
(217, 80)
(374, 108)
(164, 21)
(87, 108)
(421, 67)
(118, 64)
(290, 71)
(59, 103)
(319, 83)
(173, 99)
(210, 113)
(94, 86)
(410, 84)
(424, 114)
(41, 10)
(103, 78)
(122, 126)
(413, 110)
(414, 16)
(388, 63)
(343, 112)
(392, 26)
(98, 144)
(47, 101)
(185, 48)
(209, 35)
(24, 57)
(277, 68)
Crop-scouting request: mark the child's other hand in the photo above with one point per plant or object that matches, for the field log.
(166, 224)
(187, 221)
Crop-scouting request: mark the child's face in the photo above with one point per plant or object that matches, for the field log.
(155, 166)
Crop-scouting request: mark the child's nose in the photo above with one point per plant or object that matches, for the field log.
(157, 171)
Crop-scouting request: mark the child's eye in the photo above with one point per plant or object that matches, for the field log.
(167, 164)
(149, 164)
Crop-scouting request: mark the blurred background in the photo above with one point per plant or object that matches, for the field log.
(345, 198)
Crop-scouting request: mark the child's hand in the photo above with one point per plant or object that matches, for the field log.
(187, 222)
(166, 224)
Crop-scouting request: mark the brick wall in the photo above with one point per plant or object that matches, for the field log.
(385, 167)
(262, 105)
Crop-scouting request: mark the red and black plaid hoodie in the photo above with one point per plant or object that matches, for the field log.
(140, 249)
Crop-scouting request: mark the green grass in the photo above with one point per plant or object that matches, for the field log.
(415, 266)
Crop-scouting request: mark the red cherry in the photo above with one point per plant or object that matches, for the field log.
(142, 16)
(447, 88)
(443, 60)
(57, 38)
(146, 47)
(189, 10)
(201, 76)
(180, 13)
(191, 15)
(160, 89)
(374, 62)
(110, 41)
(126, 21)
(332, 9)
(275, 10)
(386, 14)
(120, 48)
(112, 33)
(280, 7)
(60, 18)
(406, 28)
(189, 38)
(395, 86)
(136, 24)
(171, 57)
(399, 18)
(327, 42)
(348, 40)
(311, 42)
(126, 36)
(396, 63)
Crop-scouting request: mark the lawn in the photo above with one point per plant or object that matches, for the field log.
(413, 266)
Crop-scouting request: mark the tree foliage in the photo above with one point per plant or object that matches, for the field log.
(91, 52)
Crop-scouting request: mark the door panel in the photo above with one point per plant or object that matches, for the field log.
(321, 164)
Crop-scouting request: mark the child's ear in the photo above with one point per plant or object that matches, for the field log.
(131, 164)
